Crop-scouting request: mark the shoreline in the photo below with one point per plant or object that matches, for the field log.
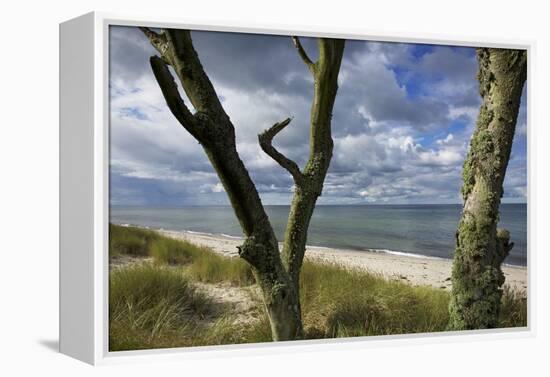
(413, 269)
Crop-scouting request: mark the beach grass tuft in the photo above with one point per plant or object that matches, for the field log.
(157, 304)
(172, 252)
(124, 240)
(513, 311)
(151, 307)
(342, 302)
(201, 263)
(215, 268)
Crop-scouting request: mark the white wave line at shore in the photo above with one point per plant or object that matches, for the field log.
(406, 254)
(368, 250)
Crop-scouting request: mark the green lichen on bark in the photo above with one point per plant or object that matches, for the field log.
(481, 147)
(325, 75)
(309, 182)
(480, 247)
(212, 128)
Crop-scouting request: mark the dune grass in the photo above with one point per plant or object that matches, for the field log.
(214, 268)
(151, 307)
(343, 302)
(155, 305)
(130, 241)
(202, 263)
(172, 252)
(513, 312)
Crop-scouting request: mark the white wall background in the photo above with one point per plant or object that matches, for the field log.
(29, 186)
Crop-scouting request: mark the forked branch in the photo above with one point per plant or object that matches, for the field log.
(213, 128)
(158, 41)
(266, 143)
(172, 96)
(303, 54)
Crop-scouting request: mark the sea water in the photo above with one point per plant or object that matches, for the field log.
(416, 230)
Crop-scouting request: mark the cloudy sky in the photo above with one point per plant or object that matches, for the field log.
(402, 121)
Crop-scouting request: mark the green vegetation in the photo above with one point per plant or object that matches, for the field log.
(341, 302)
(151, 306)
(513, 309)
(203, 264)
(173, 252)
(130, 241)
(157, 305)
(477, 276)
(214, 268)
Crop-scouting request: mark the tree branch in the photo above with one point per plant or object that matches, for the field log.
(187, 65)
(266, 139)
(504, 246)
(172, 96)
(310, 65)
(213, 128)
(157, 40)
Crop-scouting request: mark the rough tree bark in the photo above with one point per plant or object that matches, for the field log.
(212, 128)
(309, 183)
(480, 247)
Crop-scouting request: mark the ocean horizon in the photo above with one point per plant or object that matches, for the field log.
(421, 230)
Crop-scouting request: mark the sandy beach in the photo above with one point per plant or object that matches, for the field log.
(415, 270)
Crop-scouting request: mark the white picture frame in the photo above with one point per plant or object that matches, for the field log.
(84, 191)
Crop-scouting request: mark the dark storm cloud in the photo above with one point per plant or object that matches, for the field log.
(129, 54)
(254, 62)
(250, 62)
(403, 115)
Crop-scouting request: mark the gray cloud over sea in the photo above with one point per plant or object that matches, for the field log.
(402, 121)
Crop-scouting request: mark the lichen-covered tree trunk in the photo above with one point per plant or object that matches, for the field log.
(212, 128)
(480, 247)
(309, 188)
(309, 183)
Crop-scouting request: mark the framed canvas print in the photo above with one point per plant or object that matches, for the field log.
(230, 189)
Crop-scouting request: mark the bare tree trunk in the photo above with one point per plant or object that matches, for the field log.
(480, 247)
(213, 129)
(309, 187)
